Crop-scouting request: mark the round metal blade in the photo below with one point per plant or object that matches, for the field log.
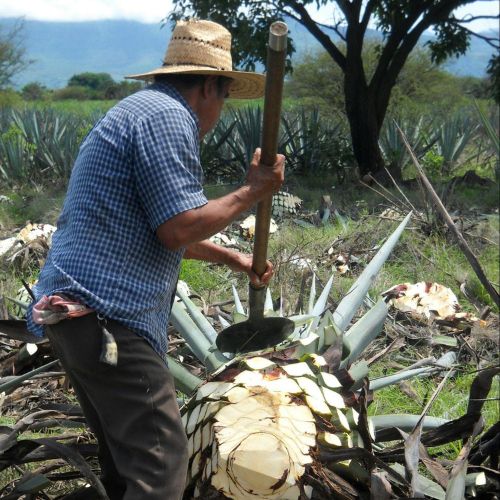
(254, 335)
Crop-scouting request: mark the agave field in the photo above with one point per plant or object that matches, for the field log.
(39, 145)
(364, 399)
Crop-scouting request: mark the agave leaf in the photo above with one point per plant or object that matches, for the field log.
(210, 356)
(312, 295)
(32, 483)
(268, 304)
(428, 487)
(405, 422)
(475, 479)
(479, 390)
(320, 305)
(412, 443)
(237, 302)
(198, 317)
(489, 127)
(380, 383)
(16, 329)
(444, 340)
(76, 460)
(223, 322)
(412, 456)
(358, 373)
(17, 381)
(456, 485)
(380, 487)
(184, 380)
(354, 298)
(359, 336)
(19, 303)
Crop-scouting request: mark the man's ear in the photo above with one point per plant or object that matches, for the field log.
(209, 88)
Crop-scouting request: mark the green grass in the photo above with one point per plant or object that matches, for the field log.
(83, 108)
(451, 403)
(36, 205)
(204, 279)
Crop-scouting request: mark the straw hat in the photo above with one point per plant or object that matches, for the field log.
(204, 48)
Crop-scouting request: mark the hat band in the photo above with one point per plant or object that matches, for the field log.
(219, 68)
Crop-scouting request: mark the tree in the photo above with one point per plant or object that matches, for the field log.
(401, 23)
(12, 53)
(122, 89)
(98, 82)
(34, 91)
(422, 87)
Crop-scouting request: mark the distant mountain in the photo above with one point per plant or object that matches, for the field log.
(62, 49)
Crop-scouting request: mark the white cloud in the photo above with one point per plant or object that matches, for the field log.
(147, 11)
(153, 11)
(490, 8)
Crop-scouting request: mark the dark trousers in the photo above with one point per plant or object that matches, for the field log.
(131, 408)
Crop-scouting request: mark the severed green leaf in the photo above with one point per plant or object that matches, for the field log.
(353, 299)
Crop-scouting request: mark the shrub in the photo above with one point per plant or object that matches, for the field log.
(74, 92)
(34, 91)
(9, 98)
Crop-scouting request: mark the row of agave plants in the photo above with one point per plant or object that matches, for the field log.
(291, 422)
(39, 146)
(463, 139)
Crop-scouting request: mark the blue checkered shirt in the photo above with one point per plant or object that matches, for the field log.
(138, 167)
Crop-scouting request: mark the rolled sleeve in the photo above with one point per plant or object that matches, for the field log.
(167, 167)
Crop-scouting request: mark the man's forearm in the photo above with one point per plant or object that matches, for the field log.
(236, 261)
(210, 252)
(198, 224)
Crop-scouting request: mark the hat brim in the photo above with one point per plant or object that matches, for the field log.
(245, 85)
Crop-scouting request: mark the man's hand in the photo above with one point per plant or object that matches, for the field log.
(265, 179)
(197, 224)
(242, 262)
(236, 261)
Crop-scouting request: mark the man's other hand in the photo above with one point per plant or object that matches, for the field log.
(242, 262)
(265, 180)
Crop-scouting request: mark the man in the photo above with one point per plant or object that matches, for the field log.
(134, 208)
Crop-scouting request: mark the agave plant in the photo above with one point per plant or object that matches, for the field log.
(490, 128)
(290, 422)
(393, 148)
(453, 137)
(39, 145)
(313, 144)
(263, 425)
(214, 154)
(54, 135)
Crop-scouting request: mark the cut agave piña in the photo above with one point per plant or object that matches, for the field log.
(263, 428)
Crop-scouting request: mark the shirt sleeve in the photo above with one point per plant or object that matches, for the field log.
(167, 166)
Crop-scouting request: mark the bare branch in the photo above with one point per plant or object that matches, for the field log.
(314, 29)
(491, 41)
(335, 28)
(470, 18)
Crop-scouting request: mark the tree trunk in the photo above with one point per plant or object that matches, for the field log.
(361, 112)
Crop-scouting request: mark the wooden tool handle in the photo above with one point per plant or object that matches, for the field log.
(276, 54)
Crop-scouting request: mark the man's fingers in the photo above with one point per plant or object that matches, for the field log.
(256, 156)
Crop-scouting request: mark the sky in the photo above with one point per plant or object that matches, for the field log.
(153, 11)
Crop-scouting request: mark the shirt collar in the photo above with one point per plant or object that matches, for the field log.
(175, 94)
